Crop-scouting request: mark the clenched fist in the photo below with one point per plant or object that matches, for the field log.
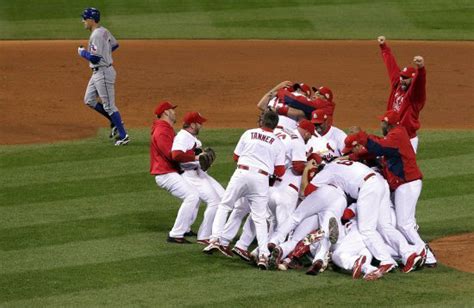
(381, 40)
(419, 61)
(80, 49)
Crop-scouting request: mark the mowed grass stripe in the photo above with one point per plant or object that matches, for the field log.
(86, 208)
(232, 287)
(74, 170)
(454, 185)
(268, 19)
(446, 166)
(86, 229)
(77, 151)
(83, 252)
(97, 276)
(66, 190)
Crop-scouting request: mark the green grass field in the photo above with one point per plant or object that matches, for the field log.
(84, 224)
(243, 19)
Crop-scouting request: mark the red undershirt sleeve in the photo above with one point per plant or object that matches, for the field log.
(183, 157)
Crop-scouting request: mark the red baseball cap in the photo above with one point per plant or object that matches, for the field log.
(163, 106)
(305, 88)
(316, 157)
(392, 117)
(318, 116)
(193, 117)
(349, 143)
(408, 72)
(306, 125)
(326, 92)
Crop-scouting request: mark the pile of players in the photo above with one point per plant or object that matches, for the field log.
(308, 191)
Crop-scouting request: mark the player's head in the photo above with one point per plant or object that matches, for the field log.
(192, 122)
(320, 119)
(351, 144)
(269, 119)
(322, 93)
(406, 76)
(165, 111)
(306, 129)
(389, 120)
(302, 88)
(90, 17)
(316, 164)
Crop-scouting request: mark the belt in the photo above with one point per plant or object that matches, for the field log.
(368, 176)
(95, 69)
(294, 187)
(244, 167)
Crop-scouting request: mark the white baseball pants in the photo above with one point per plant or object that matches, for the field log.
(180, 188)
(405, 199)
(325, 198)
(211, 193)
(389, 232)
(350, 248)
(368, 212)
(253, 186)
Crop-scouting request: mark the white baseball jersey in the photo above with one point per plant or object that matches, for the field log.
(295, 148)
(260, 149)
(336, 136)
(323, 147)
(101, 42)
(185, 141)
(345, 174)
(283, 121)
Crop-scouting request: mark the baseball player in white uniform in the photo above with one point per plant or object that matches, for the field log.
(270, 100)
(210, 191)
(331, 202)
(259, 153)
(361, 183)
(102, 82)
(335, 137)
(351, 253)
(283, 195)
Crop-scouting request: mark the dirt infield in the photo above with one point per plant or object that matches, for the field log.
(456, 251)
(43, 83)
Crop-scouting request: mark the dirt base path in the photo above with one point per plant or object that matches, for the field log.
(456, 251)
(43, 82)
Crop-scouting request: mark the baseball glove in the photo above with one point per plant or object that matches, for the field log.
(206, 158)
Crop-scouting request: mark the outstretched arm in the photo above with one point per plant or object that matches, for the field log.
(263, 103)
(390, 62)
(418, 90)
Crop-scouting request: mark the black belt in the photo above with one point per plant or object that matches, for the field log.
(95, 69)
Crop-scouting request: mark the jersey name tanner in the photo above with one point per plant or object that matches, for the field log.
(262, 137)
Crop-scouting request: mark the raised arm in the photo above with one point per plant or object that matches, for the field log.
(393, 69)
(263, 103)
(418, 90)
